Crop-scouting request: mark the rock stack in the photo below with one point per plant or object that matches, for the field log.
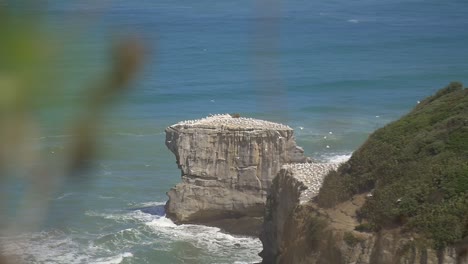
(227, 165)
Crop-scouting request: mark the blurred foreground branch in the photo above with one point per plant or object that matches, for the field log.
(26, 84)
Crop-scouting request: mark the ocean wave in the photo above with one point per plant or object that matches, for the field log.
(119, 216)
(200, 236)
(152, 216)
(337, 158)
(105, 197)
(145, 225)
(207, 238)
(57, 247)
(149, 204)
(44, 247)
(64, 195)
(115, 259)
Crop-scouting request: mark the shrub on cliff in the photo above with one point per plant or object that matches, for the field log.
(416, 169)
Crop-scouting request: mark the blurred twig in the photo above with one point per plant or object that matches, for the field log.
(127, 60)
(23, 61)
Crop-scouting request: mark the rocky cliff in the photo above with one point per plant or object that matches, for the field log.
(401, 198)
(295, 184)
(227, 167)
(297, 231)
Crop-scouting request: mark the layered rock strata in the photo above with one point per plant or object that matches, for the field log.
(295, 230)
(295, 184)
(227, 167)
(311, 235)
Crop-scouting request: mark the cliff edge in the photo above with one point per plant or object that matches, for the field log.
(294, 185)
(227, 166)
(401, 198)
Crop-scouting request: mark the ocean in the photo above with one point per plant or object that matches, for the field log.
(333, 70)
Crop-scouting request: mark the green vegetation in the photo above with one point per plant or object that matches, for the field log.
(316, 227)
(351, 240)
(366, 227)
(416, 169)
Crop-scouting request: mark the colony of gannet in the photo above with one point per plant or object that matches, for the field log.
(311, 175)
(228, 122)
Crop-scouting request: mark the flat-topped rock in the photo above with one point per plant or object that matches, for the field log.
(227, 166)
(226, 121)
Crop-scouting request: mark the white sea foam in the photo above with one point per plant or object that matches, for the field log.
(105, 169)
(114, 259)
(148, 204)
(143, 228)
(44, 247)
(353, 21)
(338, 158)
(132, 216)
(56, 247)
(63, 196)
(207, 238)
(105, 197)
(163, 222)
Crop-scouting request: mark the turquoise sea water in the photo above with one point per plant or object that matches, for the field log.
(346, 67)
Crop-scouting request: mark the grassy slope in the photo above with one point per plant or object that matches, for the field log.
(417, 170)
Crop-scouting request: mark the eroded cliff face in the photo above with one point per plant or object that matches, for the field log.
(227, 167)
(294, 185)
(296, 230)
(313, 238)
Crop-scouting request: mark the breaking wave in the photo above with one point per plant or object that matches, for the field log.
(147, 227)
